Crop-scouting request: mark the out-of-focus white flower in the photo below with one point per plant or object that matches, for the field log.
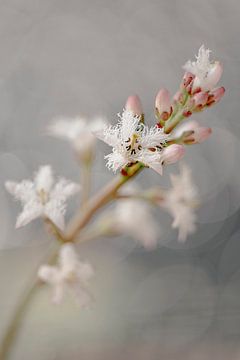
(180, 201)
(132, 216)
(132, 141)
(79, 132)
(70, 274)
(41, 198)
(206, 74)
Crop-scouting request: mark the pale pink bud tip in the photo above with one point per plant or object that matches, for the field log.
(134, 105)
(163, 104)
(201, 134)
(173, 153)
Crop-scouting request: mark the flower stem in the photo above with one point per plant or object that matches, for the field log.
(101, 199)
(15, 323)
(86, 181)
(81, 219)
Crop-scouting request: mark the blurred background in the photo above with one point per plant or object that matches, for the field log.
(80, 57)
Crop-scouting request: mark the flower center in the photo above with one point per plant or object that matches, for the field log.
(43, 196)
(132, 145)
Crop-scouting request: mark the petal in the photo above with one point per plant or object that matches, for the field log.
(31, 211)
(152, 159)
(85, 271)
(67, 128)
(44, 178)
(108, 134)
(23, 191)
(153, 137)
(64, 189)
(81, 295)
(49, 274)
(55, 211)
(115, 160)
(128, 124)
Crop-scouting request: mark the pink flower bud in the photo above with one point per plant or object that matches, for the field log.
(173, 153)
(178, 97)
(201, 134)
(186, 127)
(163, 104)
(134, 105)
(211, 78)
(187, 81)
(215, 95)
(200, 100)
(192, 133)
(214, 75)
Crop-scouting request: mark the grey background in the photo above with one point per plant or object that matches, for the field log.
(85, 57)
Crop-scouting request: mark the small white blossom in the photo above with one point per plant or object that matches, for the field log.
(78, 131)
(133, 217)
(41, 198)
(180, 201)
(70, 274)
(207, 73)
(132, 141)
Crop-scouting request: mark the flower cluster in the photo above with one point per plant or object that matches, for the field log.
(135, 145)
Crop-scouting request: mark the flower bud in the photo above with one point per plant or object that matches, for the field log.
(199, 100)
(134, 105)
(163, 104)
(193, 133)
(187, 81)
(178, 97)
(201, 134)
(215, 95)
(173, 153)
(214, 75)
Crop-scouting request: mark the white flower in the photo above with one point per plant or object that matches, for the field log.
(133, 217)
(132, 141)
(207, 74)
(180, 202)
(78, 131)
(41, 197)
(70, 274)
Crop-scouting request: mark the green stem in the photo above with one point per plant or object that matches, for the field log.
(86, 181)
(19, 312)
(16, 321)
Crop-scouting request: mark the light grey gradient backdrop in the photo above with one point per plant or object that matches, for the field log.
(85, 57)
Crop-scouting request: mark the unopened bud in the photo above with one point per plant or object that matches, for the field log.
(163, 104)
(187, 81)
(199, 100)
(193, 133)
(173, 153)
(215, 95)
(134, 105)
